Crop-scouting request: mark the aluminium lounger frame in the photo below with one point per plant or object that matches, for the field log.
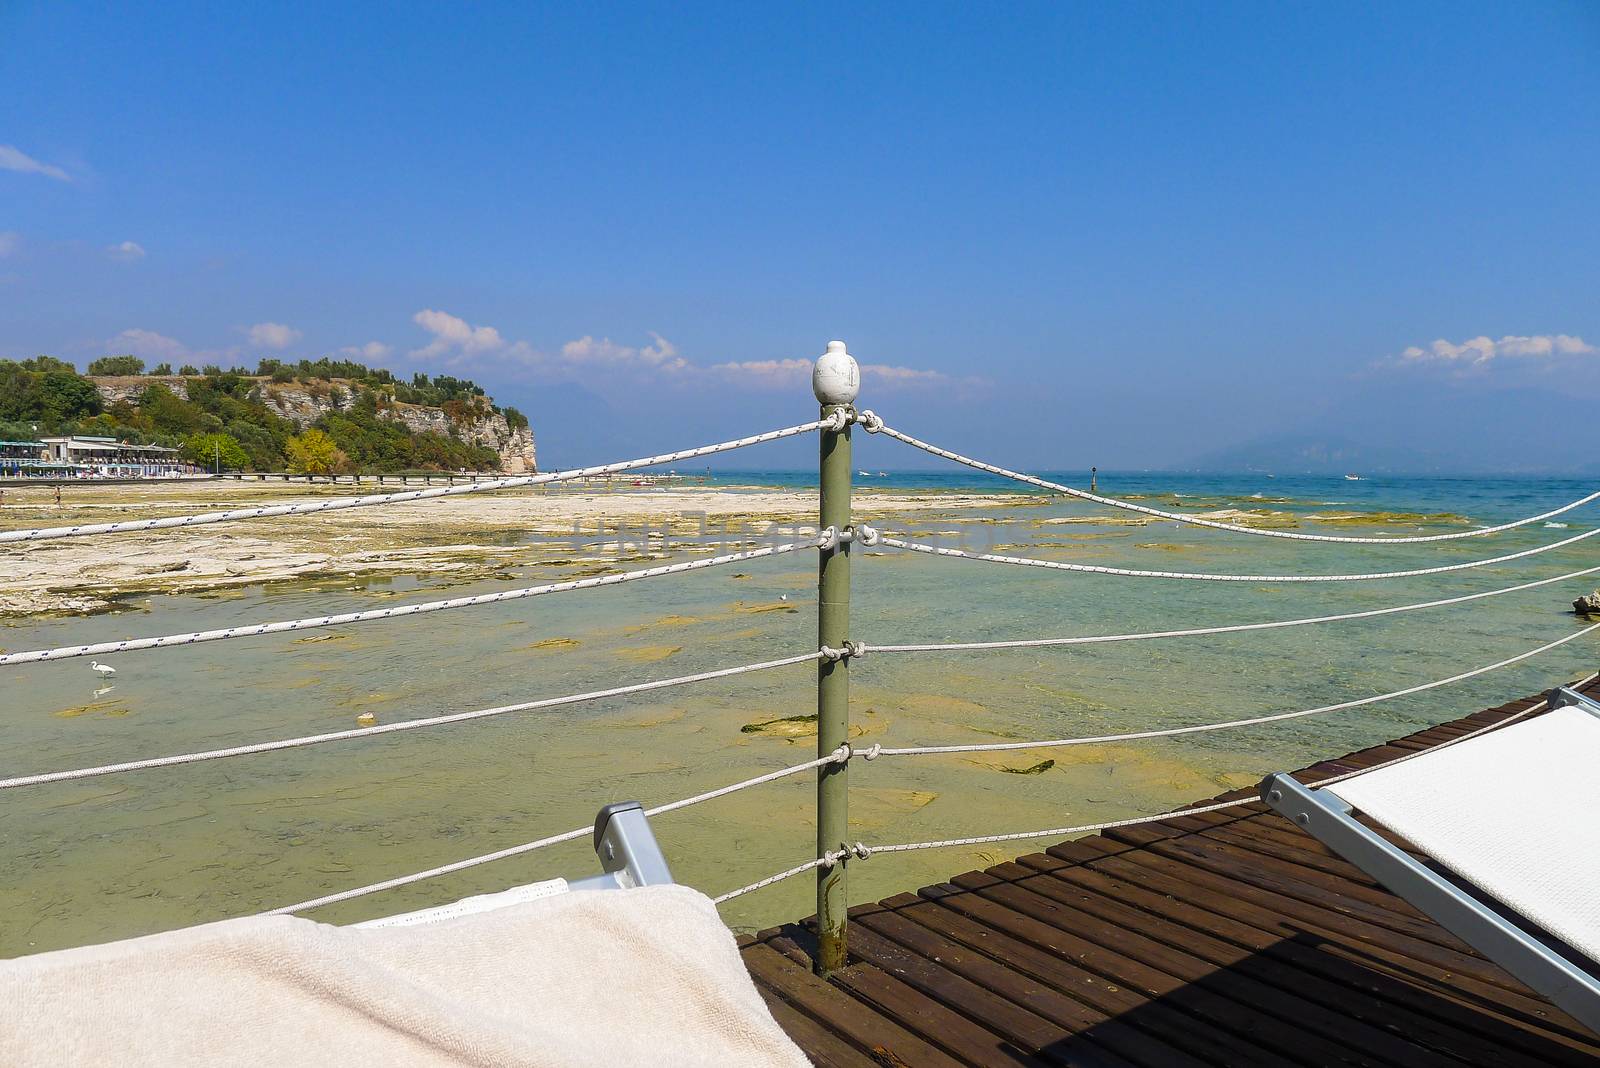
(1555, 970)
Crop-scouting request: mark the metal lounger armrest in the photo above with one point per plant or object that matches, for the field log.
(627, 850)
(1474, 921)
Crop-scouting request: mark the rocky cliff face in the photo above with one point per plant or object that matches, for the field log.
(303, 404)
(127, 389)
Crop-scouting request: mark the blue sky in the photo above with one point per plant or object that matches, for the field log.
(1131, 235)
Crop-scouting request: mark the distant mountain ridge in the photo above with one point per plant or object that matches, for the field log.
(1391, 429)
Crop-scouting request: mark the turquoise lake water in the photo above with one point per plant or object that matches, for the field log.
(133, 853)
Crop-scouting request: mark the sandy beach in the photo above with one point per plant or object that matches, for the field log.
(582, 528)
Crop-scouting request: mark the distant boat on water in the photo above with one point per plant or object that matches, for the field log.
(1352, 478)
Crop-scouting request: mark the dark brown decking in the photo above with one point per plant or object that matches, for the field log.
(1231, 938)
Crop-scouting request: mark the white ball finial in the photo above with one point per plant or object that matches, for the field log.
(836, 379)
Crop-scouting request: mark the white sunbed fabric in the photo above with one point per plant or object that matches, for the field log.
(596, 979)
(1515, 812)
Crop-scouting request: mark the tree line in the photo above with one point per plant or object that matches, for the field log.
(224, 419)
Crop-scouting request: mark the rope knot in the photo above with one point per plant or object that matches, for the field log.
(828, 539)
(866, 535)
(842, 754)
(860, 851)
(854, 649)
(869, 421)
(837, 420)
(873, 752)
(830, 654)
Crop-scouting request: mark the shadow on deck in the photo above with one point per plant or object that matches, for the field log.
(1231, 938)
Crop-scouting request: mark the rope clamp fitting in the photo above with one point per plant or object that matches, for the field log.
(830, 538)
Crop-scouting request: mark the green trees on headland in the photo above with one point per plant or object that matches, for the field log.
(118, 365)
(216, 452)
(312, 453)
(235, 417)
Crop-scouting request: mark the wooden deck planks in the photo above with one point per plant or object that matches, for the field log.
(1226, 938)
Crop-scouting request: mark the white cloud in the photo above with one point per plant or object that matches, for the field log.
(903, 376)
(10, 242)
(274, 336)
(14, 159)
(764, 374)
(372, 350)
(454, 335)
(662, 355)
(149, 344)
(1480, 351)
(604, 362)
(796, 373)
(127, 251)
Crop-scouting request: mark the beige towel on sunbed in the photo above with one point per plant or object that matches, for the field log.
(648, 976)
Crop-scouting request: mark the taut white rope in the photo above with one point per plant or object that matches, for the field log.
(392, 728)
(863, 852)
(1234, 628)
(1200, 728)
(1095, 569)
(340, 503)
(799, 869)
(837, 756)
(875, 425)
(313, 622)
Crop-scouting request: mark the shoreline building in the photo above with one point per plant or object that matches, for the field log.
(105, 457)
(30, 459)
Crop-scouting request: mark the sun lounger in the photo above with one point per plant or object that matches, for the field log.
(619, 968)
(1510, 825)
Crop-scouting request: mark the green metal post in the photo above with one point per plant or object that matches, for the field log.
(835, 382)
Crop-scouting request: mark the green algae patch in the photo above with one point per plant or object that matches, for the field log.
(753, 609)
(650, 654)
(1390, 519)
(787, 727)
(664, 621)
(672, 715)
(873, 808)
(1032, 769)
(554, 643)
(1237, 780)
(315, 638)
(93, 708)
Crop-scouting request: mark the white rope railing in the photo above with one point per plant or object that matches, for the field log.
(799, 869)
(394, 728)
(1232, 628)
(314, 622)
(621, 691)
(861, 851)
(875, 425)
(341, 503)
(1097, 569)
(836, 757)
(1201, 728)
